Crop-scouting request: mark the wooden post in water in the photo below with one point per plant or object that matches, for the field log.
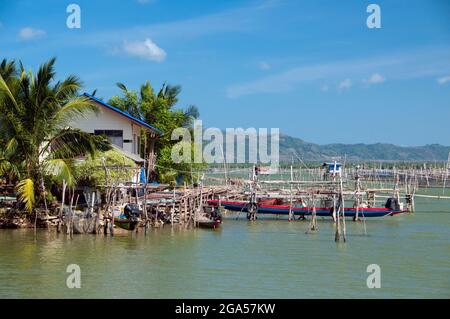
(340, 214)
(313, 224)
(447, 167)
(44, 191)
(225, 168)
(173, 208)
(70, 226)
(146, 185)
(58, 228)
(111, 224)
(183, 206)
(337, 236)
(252, 208)
(357, 195)
(107, 192)
(190, 210)
(342, 204)
(290, 199)
(69, 211)
(426, 174)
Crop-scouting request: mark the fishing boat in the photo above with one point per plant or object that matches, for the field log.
(274, 208)
(125, 223)
(130, 218)
(205, 222)
(210, 217)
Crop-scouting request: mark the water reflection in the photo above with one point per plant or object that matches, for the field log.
(262, 259)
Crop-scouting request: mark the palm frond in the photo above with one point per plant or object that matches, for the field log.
(190, 114)
(5, 88)
(171, 94)
(11, 146)
(147, 93)
(25, 191)
(60, 169)
(67, 88)
(7, 167)
(45, 73)
(122, 87)
(70, 143)
(8, 69)
(77, 107)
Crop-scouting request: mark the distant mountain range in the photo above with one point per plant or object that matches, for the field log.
(289, 146)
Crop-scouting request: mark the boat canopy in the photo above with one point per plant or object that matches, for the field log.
(332, 167)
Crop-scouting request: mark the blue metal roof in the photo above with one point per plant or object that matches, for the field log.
(123, 113)
(332, 164)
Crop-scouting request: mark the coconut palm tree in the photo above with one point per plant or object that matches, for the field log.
(35, 116)
(159, 109)
(149, 104)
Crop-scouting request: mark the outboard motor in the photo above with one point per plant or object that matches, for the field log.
(215, 214)
(392, 204)
(132, 211)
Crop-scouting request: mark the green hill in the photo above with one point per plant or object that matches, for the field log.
(289, 146)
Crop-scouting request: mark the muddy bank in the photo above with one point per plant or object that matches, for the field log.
(13, 218)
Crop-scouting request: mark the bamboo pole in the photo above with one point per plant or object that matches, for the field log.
(173, 208)
(290, 193)
(58, 228)
(342, 206)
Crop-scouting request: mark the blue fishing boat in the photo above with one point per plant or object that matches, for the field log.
(390, 209)
(130, 217)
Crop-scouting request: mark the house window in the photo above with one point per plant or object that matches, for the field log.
(114, 136)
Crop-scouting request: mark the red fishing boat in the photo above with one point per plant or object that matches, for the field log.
(276, 207)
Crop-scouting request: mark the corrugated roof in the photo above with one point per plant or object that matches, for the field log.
(125, 114)
(134, 157)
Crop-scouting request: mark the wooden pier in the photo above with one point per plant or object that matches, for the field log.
(101, 210)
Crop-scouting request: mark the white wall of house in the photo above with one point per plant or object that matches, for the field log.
(107, 119)
(136, 145)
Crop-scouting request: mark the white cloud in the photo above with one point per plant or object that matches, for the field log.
(345, 84)
(291, 78)
(443, 80)
(263, 65)
(375, 79)
(324, 88)
(28, 33)
(146, 49)
(395, 66)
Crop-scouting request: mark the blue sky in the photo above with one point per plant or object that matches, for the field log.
(311, 68)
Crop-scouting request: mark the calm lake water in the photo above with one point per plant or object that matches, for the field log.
(269, 258)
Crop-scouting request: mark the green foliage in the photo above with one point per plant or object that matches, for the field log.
(36, 140)
(7, 166)
(168, 171)
(91, 172)
(25, 191)
(158, 109)
(289, 146)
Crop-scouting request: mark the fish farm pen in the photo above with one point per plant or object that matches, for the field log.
(330, 191)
